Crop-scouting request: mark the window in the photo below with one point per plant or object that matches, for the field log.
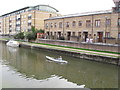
(46, 26)
(107, 34)
(118, 21)
(29, 30)
(73, 34)
(67, 25)
(50, 15)
(29, 16)
(88, 23)
(10, 21)
(60, 24)
(97, 23)
(108, 22)
(74, 24)
(51, 33)
(80, 23)
(29, 24)
(55, 25)
(79, 34)
(118, 35)
(10, 26)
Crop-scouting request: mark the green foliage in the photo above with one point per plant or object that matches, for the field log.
(33, 35)
(19, 35)
(33, 29)
(40, 31)
(30, 36)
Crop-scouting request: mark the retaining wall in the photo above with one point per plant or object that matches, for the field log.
(93, 46)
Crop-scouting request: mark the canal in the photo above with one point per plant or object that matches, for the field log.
(28, 68)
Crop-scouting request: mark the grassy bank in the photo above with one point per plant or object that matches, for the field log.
(79, 48)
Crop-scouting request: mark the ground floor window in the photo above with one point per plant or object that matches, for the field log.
(79, 34)
(118, 35)
(73, 34)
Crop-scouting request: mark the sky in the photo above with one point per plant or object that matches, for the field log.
(64, 6)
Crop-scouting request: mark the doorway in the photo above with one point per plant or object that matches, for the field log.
(85, 35)
(68, 35)
(100, 36)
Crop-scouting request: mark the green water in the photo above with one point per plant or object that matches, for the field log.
(28, 68)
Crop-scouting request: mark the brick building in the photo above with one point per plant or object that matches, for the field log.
(99, 26)
(21, 20)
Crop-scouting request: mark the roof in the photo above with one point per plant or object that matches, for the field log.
(116, 0)
(48, 6)
(82, 14)
(15, 11)
(31, 7)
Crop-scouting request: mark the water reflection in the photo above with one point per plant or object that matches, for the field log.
(32, 64)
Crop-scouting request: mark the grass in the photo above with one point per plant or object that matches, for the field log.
(70, 47)
(79, 48)
(83, 52)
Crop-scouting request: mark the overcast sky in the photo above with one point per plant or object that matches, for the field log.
(64, 6)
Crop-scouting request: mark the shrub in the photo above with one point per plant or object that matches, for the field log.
(19, 35)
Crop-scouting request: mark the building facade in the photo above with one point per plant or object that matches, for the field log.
(99, 26)
(21, 20)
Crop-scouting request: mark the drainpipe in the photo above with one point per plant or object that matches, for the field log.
(63, 29)
(105, 27)
(34, 18)
(92, 26)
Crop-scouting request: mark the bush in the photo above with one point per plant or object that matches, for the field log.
(19, 35)
(30, 36)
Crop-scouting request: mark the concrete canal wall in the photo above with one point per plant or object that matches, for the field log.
(91, 57)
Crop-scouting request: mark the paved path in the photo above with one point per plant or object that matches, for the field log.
(74, 50)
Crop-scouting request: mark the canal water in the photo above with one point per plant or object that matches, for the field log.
(28, 68)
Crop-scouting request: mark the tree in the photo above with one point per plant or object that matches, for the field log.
(30, 36)
(33, 34)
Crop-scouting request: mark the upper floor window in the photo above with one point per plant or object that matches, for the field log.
(29, 16)
(67, 24)
(108, 22)
(50, 15)
(73, 23)
(88, 23)
(46, 26)
(107, 34)
(60, 24)
(55, 25)
(97, 23)
(29, 23)
(80, 23)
